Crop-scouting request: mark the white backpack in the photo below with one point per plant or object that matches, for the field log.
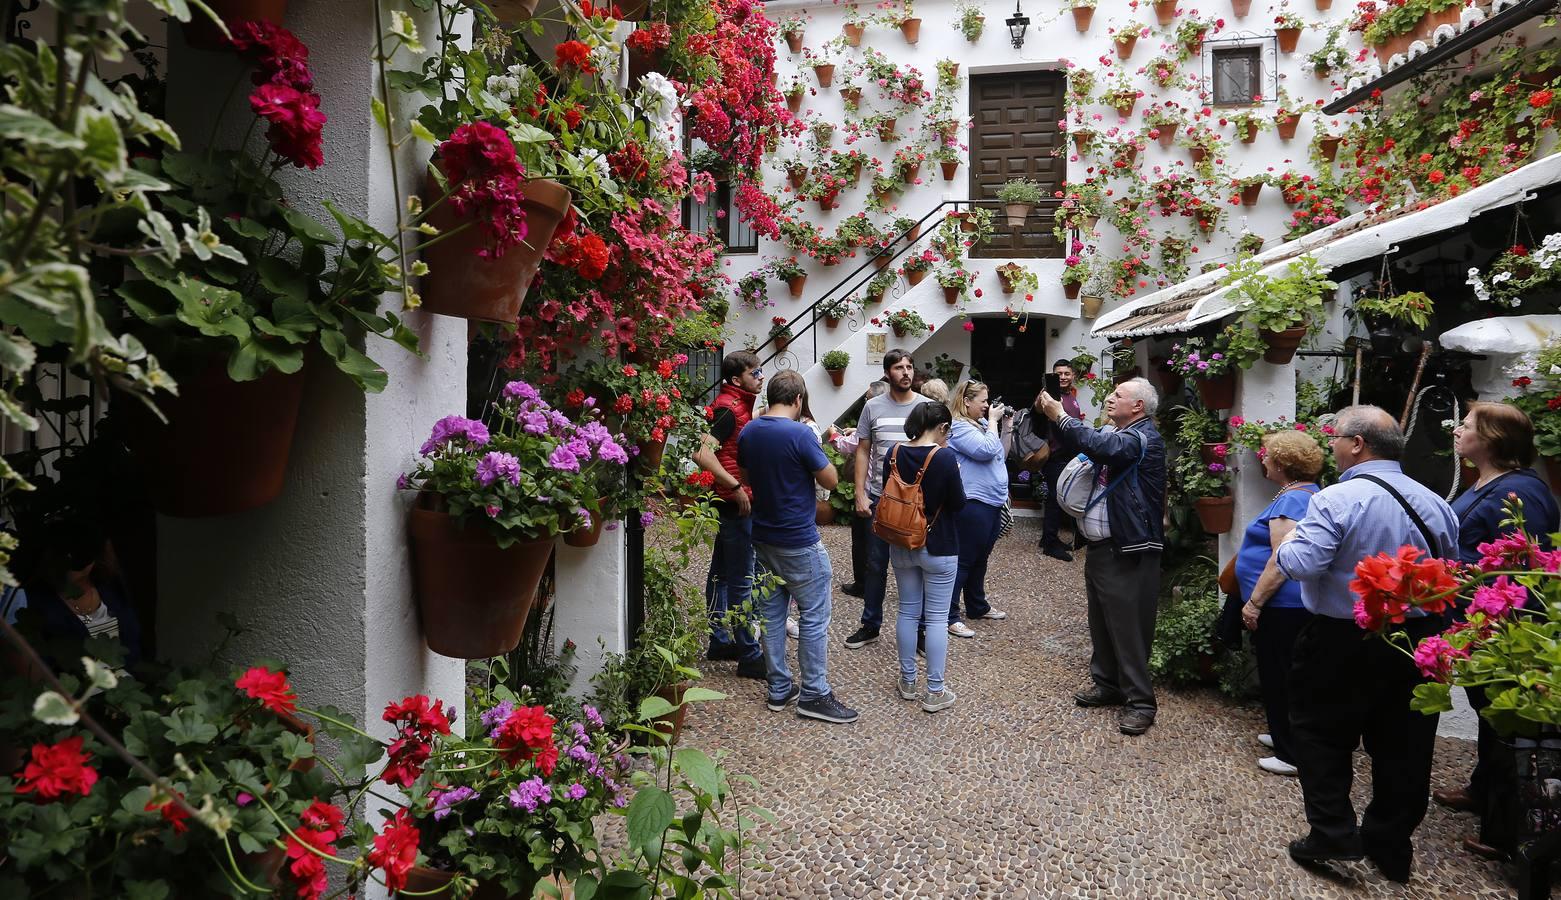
(1077, 492)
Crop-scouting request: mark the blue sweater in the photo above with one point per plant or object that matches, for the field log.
(1480, 512)
(942, 493)
(981, 465)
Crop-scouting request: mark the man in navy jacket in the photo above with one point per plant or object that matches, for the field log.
(1122, 569)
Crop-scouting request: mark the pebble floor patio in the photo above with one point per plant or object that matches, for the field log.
(1017, 792)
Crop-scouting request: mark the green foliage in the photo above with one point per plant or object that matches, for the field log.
(1412, 308)
(1274, 303)
(842, 499)
(1021, 190)
(971, 21)
(835, 360)
(1196, 427)
(1184, 643)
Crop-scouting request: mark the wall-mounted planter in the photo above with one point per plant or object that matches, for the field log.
(1324, 5)
(1218, 392)
(1125, 44)
(909, 174)
(1283, 344)
(916, 276)
(1250, 134)
(1329, 147)
(886, 131)
(980, 26)
(1081, 140)
(1017, 213)
(854, 34)
(911, 28)
(832, 321)
(825, 73)
(794, 103)
(203, 34)
(1286, 126)
(828, 201)
(1070, 289)
(587, 537)
(796, 284)
(1082, 16)
(949, 168)
(1090, 305)
(1125, 107)
(1250, 193)
(951, 295)
(794, 41)
(838, 378)
(1289, 39)
(781, 343)
(851, 95)
(1198, 154)
(1216, 513)
(1164, 11)
(1167, 135)
(796, 177)
(1240, 8)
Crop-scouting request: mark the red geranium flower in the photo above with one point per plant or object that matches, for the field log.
(395, 850)
(296, 123)
(419, 715)
(527, 731)
(280, 57)
(58, 770)
(172, 812)
(1389, 586)
(573, 55)
(270, 688)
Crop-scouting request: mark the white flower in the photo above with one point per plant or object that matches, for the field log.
(598, 162)
(504, 87)
(658, 98)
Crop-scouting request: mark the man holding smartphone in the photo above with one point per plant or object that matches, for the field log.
(1060, 384)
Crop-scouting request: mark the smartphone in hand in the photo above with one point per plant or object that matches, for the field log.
(1054, 385)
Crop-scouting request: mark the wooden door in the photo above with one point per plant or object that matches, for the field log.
(1013, 136)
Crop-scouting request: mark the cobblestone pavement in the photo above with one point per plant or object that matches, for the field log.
(1017, 792)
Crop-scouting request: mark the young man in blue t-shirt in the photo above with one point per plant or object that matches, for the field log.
(781, 460)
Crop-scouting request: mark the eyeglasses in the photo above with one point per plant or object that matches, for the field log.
(757, 373)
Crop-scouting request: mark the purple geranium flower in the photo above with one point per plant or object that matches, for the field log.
(595, 433)
(498, 465)
(592, 716)
(443, 802)
(647, 519)
(530, 794)
(496, 716)
(452, 428)
(533, 423)
(563, 461)
(576, 791)
(611, 452)
(522, 390)
(403, 482)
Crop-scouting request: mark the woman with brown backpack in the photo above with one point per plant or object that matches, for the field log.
(917, 516)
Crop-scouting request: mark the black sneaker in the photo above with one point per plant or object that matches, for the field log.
(1309, 850)
(861, 638)
(1056, 551)
(791, 695)
(853, 590)
(753, 668)
(1098, 696)
(1135, 721)
(826, 708)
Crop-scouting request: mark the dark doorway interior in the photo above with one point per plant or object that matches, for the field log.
(1013, 365)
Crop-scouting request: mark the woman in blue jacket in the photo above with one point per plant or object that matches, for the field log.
(1498, 440)
(979, 450)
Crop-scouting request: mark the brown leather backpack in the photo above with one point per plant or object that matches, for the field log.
(901, 517)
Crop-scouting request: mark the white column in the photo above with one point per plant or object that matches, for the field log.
(590, 606)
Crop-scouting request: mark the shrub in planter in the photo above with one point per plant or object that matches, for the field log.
(1184, 645)
(1280, 308)
(1411, 308)
(835, 363)
(971, 21)
(835, 311)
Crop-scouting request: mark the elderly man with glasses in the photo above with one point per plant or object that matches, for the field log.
(1345, 685)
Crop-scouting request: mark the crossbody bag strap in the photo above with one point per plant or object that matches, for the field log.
(1143, 447)
(1425, 532)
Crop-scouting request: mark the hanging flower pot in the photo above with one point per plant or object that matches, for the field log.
(1090, 305)
(838, 378)
(1171, 381)
(466, 286)
(1081, 139)
(1329, 147)
(794, 41)
(796, 177)
(649, 458)
(225, 446)
(1165, 11)
(1125, 45)
(1167, 135)
(1125, 105)
(1240, 8)
(1214, 452)
(781, 343)
(1552, 473)
(916, 276)
(1198, 154)
(886, 130)
(1017, 213)
(1289, 39)
(951, 295)
(1218, 392)
(909, 173)
(832, 321)
(825, 73)
(794, 103)
(828, 201)
(1005, 281)
(1216, 513)
(472, 597)
(949, 169)
(1206, 226)
(1250, 193)
(588, 536)
(1282, 344)
(1286, 126)
(796, 283)
(914, 232)
(1194, 44)
(899, 330)
(851, 96)
(1070, 289)
(854, 34)
(881, 260)
(203, 34)
(1324, 5)
(1082, 16)
(1248, 132)
(911, 28)
(967, 223)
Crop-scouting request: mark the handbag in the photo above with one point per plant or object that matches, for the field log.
(1005, 519)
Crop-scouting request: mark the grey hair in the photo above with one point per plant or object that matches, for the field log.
(877, 389)
(1376, 428)
(1143, 390)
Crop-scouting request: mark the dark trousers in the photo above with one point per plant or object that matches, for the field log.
(1345, 687)
(977, 525)
(1052, 515)
(730, 583)
(861, 530)
(1124, 596)
(876, 575)
(1493, 784)
(1274, 643)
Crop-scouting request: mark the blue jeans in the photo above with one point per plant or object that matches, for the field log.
(978, 524)
(730, 582)
(805, 576)
(876, 582)
(926, 586)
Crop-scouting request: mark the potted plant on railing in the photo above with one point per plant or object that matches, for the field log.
(1075, 272)
(1282, 308)
(904, 228)
(835, 311)
(971, 20)
(917, 265)
(1083, 12)
(780, 333)
(955, 281)
(1014, 278)
(835, 363)
(878, 286)
(1018, 197)
(789, 271)
(1207, 485)
(904, 323)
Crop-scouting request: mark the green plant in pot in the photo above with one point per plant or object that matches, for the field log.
(904, 323)
(1185, 645)
(835, 310)
(835, 363)
(1016, 279)
(1282, 308)
(1207, 484)
(1018, 197)
(1413, 308)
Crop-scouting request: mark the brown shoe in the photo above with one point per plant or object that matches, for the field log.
(1484, 851)
(1458, 799)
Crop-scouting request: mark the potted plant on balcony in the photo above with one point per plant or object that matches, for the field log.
(971, 20)
(835, 363)
(904, 323)
(955, 281)
(917, 265)
(789, 271)
(1018, 197)
(780, 333)
(1281, 308)
(878, 286)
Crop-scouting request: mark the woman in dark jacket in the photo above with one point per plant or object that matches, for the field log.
(1498, 440)
(926, 576)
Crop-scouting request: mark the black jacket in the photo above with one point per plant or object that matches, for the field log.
(1135, 509)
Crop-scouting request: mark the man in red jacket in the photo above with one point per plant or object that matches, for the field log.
(730, 584)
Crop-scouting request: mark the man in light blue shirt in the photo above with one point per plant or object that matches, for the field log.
(1346, 685)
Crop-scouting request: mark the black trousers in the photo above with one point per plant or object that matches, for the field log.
(1124, 598)
(1274, 643)
(1493, 784)
(1347, 686)
(1052, 515)
(859, 536)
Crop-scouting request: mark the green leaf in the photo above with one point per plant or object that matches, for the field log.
(17, 124)
(649, 815)
(654, 708)
(308, 228)
(186, 727)
(16, 352)
(157, 227)
(1432, 698)
(147, 890)
(279, 276)
(51, 708)
(379, 112)
(364, 372)
(699, 769)
(99, 675)
(295, 746)
(700, 695)
(421, 132)
(105, 148)
(353, 228)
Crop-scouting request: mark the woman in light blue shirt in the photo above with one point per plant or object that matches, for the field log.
(978, 448)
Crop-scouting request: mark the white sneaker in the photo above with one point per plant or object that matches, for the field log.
(937, 702)
(994, 614)
(1266, 740)
(960, 629)
(1277, 766)
(791, 627)
(908, 690)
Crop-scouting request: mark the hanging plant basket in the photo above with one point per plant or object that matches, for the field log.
(794, 41)
(911, 28)
(828, 201)
(796, 284)
(1167, 136)
(1090, 305)
(1218, 392)
(1017, 213)
(854, 34)
(1082, 16)
(1249, 134)
(1198, 154)
(1289, 39)
(465, 286)
(949, 169)
(825, 73)
(1125, 107)
(203, 34)
(1286, 126)
(837, 377)
(1250, 193)
(1070, 289)
(225, 447)
(886, 131)
(910, 173)
(951, 295)
(1283, 344)
(587, 537)
(1125, 45)
(1216, 513)
(472, 597)
(1165, 11)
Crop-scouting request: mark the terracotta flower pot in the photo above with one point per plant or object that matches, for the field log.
(225, 447)
(828, 201)
(1286, 126)
(1240, 8)
(1167, 136)
(1218, 392)
(1090, 305)
(794, 41)
(884, 197)
(856, 173)
(781, 343)
(823, 513)
(796, 284)
(854, 34)
(899, 331)
(1125, 45)
(1324, 5)
(1194, 44)
(837, 377)
(203, 34)
(1082, 16)
(1081, 139)
(1211, 453)
(1552, 473)
(967, 224)
(644, 62)
(794, 103)
(825, 74)
(951, 295)
(1329, 147)
(911, 28)
(1289, 39)
(513, 12)
(1017, 213)
(1283, 344)
(949, 169)
(1129, 155)
(1198, 154)
(910, 173)
(462, 284)
(1125, 108)
(1070, 289)
(649, 459)
(851, 95)
(1165, 11)
(982, 21)
(796, 177)
(472, 597)
(832, 321)
(1005, 282)
(1216, 513)
(1171, 382)
(916, 276)
(671, 724)
(1250, 193)
(886, 130)
(587, 537)
(1250, 134)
